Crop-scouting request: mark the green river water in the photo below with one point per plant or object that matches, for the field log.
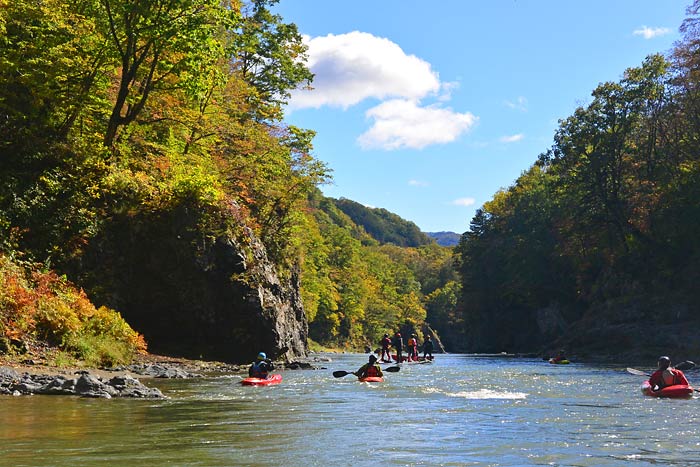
(459, 411)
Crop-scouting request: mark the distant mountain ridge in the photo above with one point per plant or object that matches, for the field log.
(444, 238)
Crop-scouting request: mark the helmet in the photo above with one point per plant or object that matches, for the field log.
(372, 358)
(386, 335)
(262, 356)
(664, 362)
(398, 334)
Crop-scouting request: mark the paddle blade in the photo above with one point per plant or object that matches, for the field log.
(392, 369)
(637, 372)
(685, 366)
(341, 373)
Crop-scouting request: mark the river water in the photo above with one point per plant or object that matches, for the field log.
(460, 410)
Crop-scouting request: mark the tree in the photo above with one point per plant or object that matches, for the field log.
(159, 44)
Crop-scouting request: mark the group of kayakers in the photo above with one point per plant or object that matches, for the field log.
(397, 343)
(663, 377)
(262, 366)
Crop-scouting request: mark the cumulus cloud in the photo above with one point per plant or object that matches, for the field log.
(650, 33)
(464, 202)
(512, 138)
(518, 104)
(401, 124)
(418, 183)
(355, 66)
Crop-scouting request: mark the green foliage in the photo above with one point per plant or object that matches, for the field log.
(608, 213)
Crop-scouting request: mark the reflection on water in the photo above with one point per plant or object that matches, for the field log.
(458, 411)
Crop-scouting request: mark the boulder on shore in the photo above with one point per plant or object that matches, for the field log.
(84, 384)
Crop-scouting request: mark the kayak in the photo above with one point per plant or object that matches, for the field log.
(272, 379)
(371, 379)
(560, 362)
(675, 391)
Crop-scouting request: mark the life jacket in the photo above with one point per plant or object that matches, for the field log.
(372, 370)
(257, 371)
(412, 342)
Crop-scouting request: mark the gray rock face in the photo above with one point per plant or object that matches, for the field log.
(86, 385)
(192, 295)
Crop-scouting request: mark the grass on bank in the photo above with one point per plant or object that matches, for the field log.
(44, 316)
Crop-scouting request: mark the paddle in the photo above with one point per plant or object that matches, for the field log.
(683, 366)
(341, 373)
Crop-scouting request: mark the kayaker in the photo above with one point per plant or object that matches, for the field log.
(559, 357)
(427, 347)
(386, 343)
(261, 368)
(666, 376)
(413, 348)
(370, 368)
(397, 342)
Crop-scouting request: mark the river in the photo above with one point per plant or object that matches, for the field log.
(460, 410)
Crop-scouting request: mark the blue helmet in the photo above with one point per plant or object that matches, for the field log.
(262, 356)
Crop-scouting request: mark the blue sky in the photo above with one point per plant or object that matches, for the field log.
(428, 108)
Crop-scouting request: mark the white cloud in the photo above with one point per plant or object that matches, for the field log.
(401, 123)
(418, 183)
(519, 104)
(512, 138)
(446, 90)
(355, 66)
(464, 202)
(650, 33)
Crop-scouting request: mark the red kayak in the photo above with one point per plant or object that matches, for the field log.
(371, 379)
(272, 379)
(675, 391)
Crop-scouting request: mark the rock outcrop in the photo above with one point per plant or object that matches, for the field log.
(196, 284)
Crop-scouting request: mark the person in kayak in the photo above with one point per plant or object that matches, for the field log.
(559, 357)
(370, 368)
(386, 343)
(397, 342)
(666, 376)
(261, 368)
(427, 347)
(413, 348)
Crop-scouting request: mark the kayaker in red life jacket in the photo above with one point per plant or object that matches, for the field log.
(666, 376)
(370, 368)
(261, 367)
(413, 348)
(386, 343)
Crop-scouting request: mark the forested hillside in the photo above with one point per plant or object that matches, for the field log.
(355, 288)
(596, 244)
(143, 154)
(382, 225)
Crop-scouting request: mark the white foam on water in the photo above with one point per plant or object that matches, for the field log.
(479, 394)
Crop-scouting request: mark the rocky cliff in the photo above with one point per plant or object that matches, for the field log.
(196, 284)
